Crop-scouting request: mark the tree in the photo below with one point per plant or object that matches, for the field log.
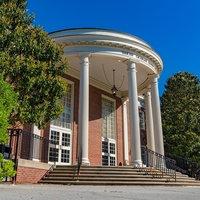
(32, 63)
(7, 104)
(180, 106)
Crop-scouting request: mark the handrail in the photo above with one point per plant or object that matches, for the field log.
(197, 175)
(79, 162)
(160, 162)
(38, 137)
(22, 147)
(185, 166)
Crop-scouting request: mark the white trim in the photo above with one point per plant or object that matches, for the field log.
(33, 164)
(34, 146)
(35, 130)
(60, 147)
(125, 130)
(109, 98)
(109, 141)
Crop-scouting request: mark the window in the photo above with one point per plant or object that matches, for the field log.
(108, 119)
(53, 154)
(64, 120)
(142, 120)
(55, 136)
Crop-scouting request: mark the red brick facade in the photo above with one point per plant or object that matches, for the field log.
(95, 124)
(29, 175)
(32, 175)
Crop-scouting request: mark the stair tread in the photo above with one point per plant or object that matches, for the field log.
(119, 179)
(121, 183)
(103, 175)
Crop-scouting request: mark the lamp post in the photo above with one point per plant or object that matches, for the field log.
(114, 89)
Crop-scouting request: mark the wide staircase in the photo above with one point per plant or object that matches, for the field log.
(121, 175)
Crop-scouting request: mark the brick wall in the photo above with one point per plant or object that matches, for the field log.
(95, 126)
(29, 175)
(95, 123)
(119, 128)
(29, 171)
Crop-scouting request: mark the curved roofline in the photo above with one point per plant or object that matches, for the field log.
(107, 32)
(104, 29)
(68, 29)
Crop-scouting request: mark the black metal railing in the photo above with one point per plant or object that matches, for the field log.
(29, 146)
(197, 175)
(185, 166)
(36, 147)
(79, 162)
(154, 160)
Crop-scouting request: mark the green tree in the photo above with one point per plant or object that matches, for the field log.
(7, 105)
(180, 106)
(32, 63)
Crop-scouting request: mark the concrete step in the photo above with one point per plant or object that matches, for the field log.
(104, 172)
(169, 183)
(103, 175)
(106, 175)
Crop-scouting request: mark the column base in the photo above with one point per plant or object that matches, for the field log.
(136, 163)
(126, 162)
(85, 162)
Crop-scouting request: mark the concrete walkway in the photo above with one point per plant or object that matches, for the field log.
(64, 192)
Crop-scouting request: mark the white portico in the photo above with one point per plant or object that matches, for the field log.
(93, 54)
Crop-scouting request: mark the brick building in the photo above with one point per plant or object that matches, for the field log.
(111, 107)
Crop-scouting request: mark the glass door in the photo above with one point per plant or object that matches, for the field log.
(61, 151)
(108, 152)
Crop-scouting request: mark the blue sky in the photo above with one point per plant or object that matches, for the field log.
(171, 27)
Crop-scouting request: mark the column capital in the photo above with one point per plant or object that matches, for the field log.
(84, 55)
(147, 93)
(124, 99)
(154, 79)
(147, 90)
(130, 61)
(131, 65)
(84, 59)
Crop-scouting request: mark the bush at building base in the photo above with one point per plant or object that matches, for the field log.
(6, 168)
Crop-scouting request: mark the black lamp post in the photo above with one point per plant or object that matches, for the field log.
(114, 89)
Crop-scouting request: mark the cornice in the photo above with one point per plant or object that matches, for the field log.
(141, 53)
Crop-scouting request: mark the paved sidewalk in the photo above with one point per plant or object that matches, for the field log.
(64, 192)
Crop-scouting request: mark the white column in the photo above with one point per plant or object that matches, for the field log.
(125, 130)
(134, 116)
(149, 122)
(158, 133)
(84, 109)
